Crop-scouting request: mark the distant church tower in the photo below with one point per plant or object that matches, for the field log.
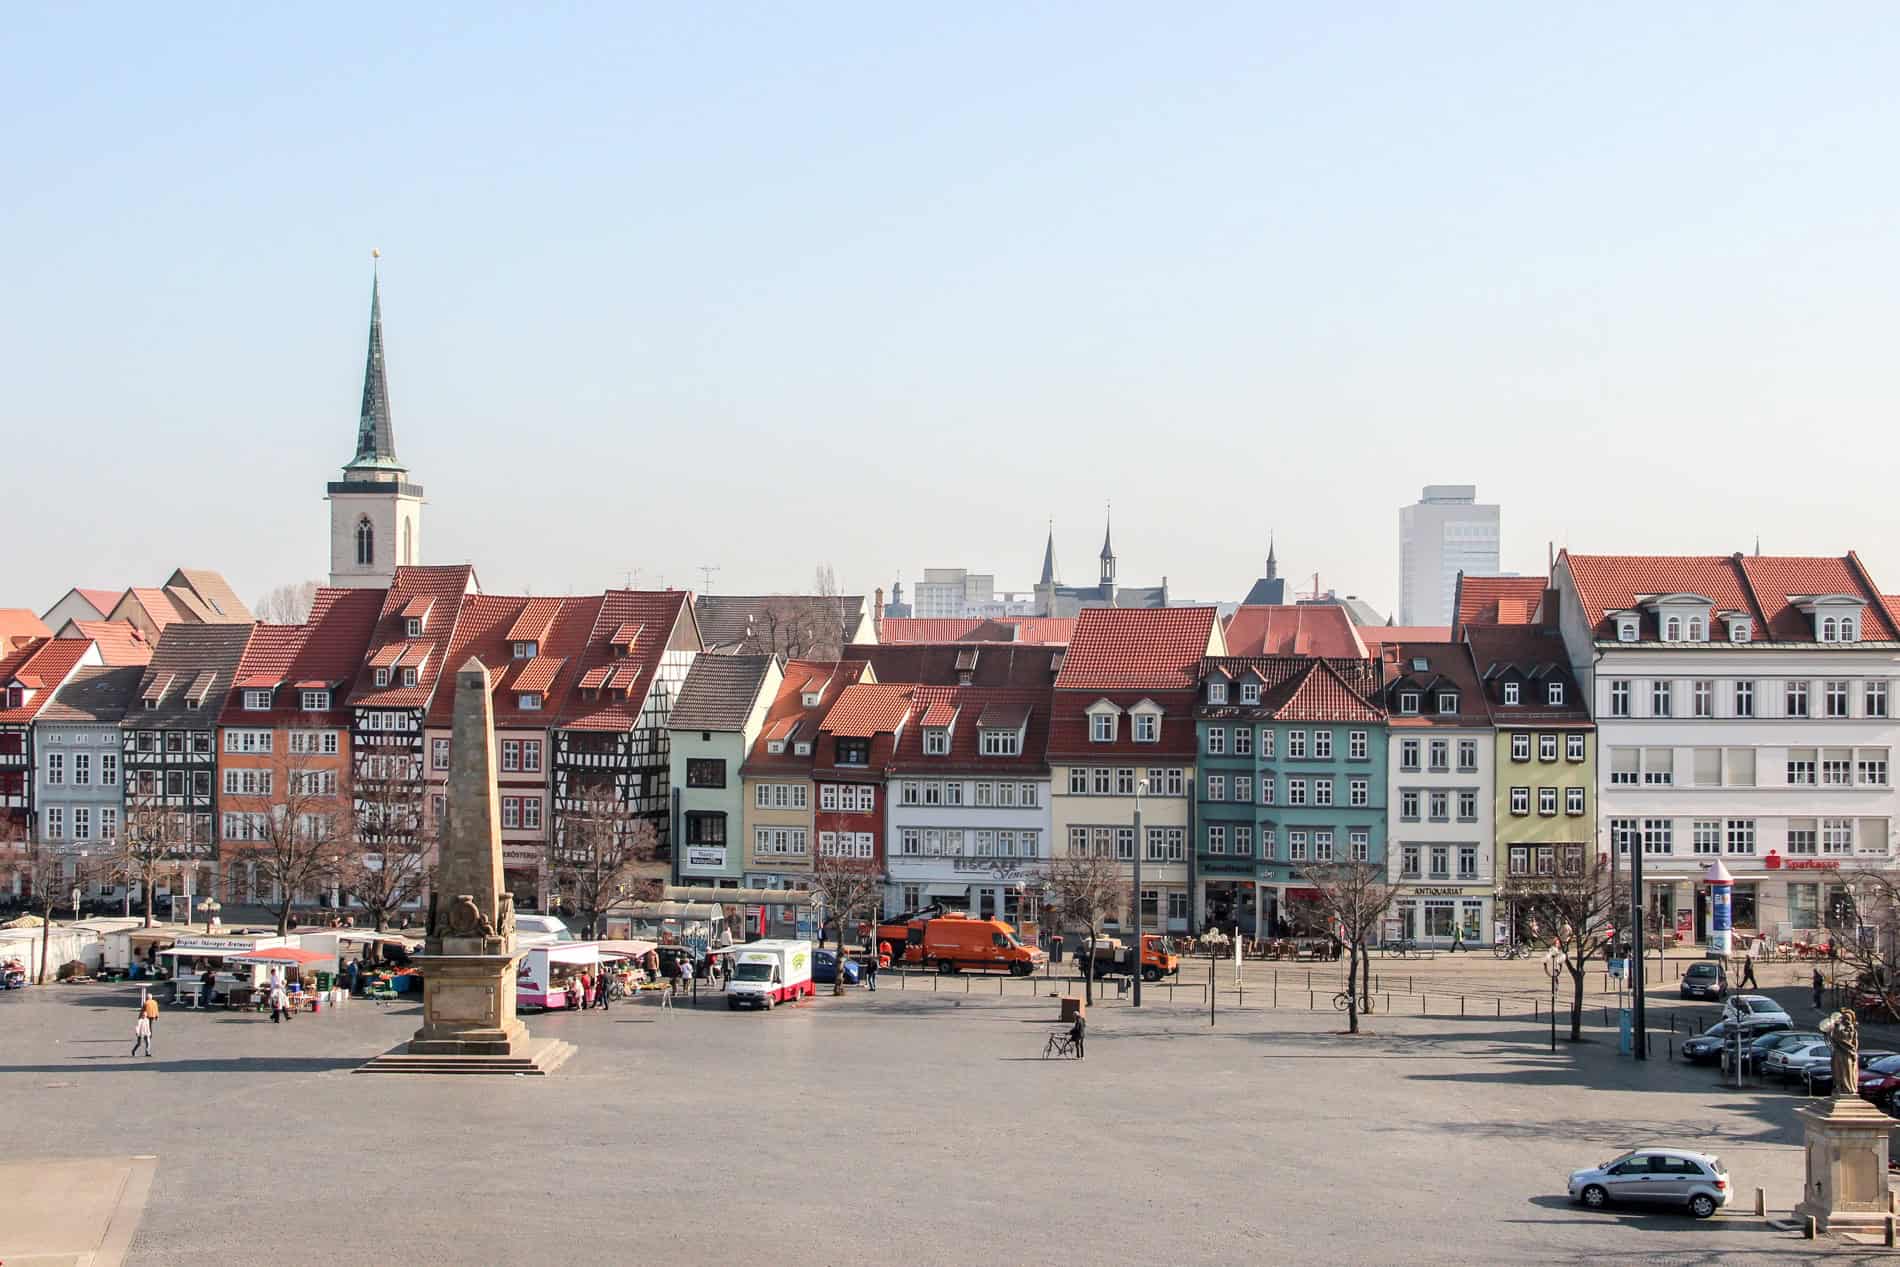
(1108, 566)
(375, 512)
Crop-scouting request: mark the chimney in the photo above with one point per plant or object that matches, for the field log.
(1551, 608)
(877, 615)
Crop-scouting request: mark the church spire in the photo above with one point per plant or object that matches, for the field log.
(375, 437)
(1049, 557)
(1273, 565)
(1108, 526)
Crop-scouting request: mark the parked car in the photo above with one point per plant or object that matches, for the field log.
(1755, 1005)
(824, 968)
(1785, 1061)
(1879, 1081)
(1704, 980)
(1655, 1176)
(1707, 1047)
(1754, 1053)
(1818, 1072)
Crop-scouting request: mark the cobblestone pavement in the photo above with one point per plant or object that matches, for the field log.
(916, 1124)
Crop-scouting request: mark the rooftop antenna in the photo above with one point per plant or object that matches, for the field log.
(633, 575)
(707, 570)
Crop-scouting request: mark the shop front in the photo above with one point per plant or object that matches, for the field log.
(1229, 895)
(1442, 914)
(521, 865)
(1775, 898)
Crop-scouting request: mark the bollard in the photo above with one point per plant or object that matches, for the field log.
(1606, 1014)
(1461, 1005)
(999, 986)
(966, 985)
(1646, 1045)
(1388, 1003)
(1309, 1000)
(1276, 989)
(1887, 1231)
(1672, 1044)
(1500, 1005)
(933, 982)
(1893, 1202)
(1761, 1203)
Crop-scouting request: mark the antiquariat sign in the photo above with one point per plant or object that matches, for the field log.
(706, 857)
(1440, 890)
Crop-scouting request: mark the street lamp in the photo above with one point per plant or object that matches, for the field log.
(1141, 790)
(210, 908)
(1552, 967)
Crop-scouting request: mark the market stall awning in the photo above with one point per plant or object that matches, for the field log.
(282, 954)
(624, 949)
(571, 952)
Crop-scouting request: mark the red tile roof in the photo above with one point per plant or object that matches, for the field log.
(978, 708)
(448, 587)
(1303, 630)
(536, 615)
(1138, 649)
(41, 667)
(939, 714)
(1069, 725)
(1321, 694)
(867, 709)
(121, 642)
(159, 606)
(616, 706)
(1447, 665)
(1534, 656)
(486, 630)
(1757, 586)
(1377, 636)
(418, 607)
(1042, 630)
(18, 625)
(537, 674)
(829, 679)
(104, 600)
(1497, 600)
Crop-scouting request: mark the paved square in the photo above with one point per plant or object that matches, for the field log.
(908, 1125)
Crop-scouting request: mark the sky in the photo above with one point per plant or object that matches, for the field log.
(889, 287)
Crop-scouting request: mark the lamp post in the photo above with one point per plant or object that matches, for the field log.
(210, 908)
(1141, 790)
(1552, 967)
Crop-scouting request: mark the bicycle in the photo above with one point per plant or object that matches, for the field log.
(1343, 1000)
(1059, 1045)
(1510, 950)
(1403, 949)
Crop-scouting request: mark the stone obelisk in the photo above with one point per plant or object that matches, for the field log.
(468, 964)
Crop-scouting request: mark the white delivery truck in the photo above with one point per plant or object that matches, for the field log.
(768, 972)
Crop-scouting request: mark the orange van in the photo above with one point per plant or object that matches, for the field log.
(956, 942)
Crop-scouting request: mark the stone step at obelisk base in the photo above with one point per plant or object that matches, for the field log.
(468, 962)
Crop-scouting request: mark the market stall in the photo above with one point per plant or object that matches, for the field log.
(305, 971)
(190, 954)
(548, 976)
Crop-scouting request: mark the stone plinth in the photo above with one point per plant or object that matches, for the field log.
(468, 1007)
(1846, 1184)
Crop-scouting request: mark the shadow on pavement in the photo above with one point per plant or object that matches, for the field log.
(159, 1064)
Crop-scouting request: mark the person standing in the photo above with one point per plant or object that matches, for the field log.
(207, 986)
(279, 1000)
(603, 990)
(142, 1033)
(1820, 986)
(870, 973)
(1077, 1032)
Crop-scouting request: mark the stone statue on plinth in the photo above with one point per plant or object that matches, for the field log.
(468, 962)
(1846, 1188)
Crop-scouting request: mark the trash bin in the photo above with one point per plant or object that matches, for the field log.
(1055, 950)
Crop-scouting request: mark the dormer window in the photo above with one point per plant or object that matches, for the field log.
(382, 677)
(1672, 629)
(529, 701)
(1510, 692)
(1740, 629)
(802, 748)
(193, 703)
(257, 701)
(1147, 727)
(1839, 629)
(16, 697)
(527, 650)
(810, 698)
(1626, 629)
(937, 741)
(1554, 692)
(1694, 629)
(315, 701)
(1408, 703)
(151, 704)
(1250, 692)
(409, 677)
(854, 752)
(1001, 743)
(1447, 702)
(775, 746)
(1217, 692)
(413, 627)
(1102, 728)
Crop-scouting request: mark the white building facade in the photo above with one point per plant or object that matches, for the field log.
(1444, 533)
(1745, 712)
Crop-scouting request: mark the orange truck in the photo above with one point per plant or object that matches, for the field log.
(1112, 956)
(958, 943)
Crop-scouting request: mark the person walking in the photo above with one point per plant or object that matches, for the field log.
(142, 1033)
(148, 1015)
(603, 990)
(1457, 939)
(1820, 987)
(279, 1002)
(870, 973)
(1748, 973)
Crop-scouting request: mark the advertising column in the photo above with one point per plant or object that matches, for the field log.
(1721, 895)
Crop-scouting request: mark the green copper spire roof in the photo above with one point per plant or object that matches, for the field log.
(375, 438)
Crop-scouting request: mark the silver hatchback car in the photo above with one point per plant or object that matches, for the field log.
(1655, 1176)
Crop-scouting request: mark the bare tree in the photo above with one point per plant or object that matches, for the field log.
(383, 864)
(1085, 889)
(850, 887)
(1356, 895)
(1574, 908)
(41, 868)
(288, 604)
(300, 840)
(599, 846)
(154, 843)
(1866, 938)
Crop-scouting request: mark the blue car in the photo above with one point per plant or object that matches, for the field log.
(824, 968)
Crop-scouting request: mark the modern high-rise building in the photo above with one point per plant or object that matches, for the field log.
(1444, 533)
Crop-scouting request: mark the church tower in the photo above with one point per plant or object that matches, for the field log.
(375, 512)
(1108, 566)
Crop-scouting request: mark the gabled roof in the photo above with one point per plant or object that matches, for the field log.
(207, 596)
(157, 604)
(448, 587)
(1049, 630)
(720, 692)
(1139, 649)
(1447, 666)
(103, 601)
(120, 642)
(485, 630)
(1378, 636)
(324, 653)
(937, 664)
(977, 709)
(1757, 586)
(95, 693)
(1534, 655)
(1322, 694)
(1311, 630)
(182, 658)
(41, 667)
(615, 705)
(789, 718)
(18, 625)
(1497, 600)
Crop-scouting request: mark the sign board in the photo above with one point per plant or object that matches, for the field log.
(217, 943)
(705, 857)
(1685, 925)
(524, 856)
(1617, 967)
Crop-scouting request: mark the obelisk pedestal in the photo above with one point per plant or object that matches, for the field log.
(1846, 1175)
(468, 963)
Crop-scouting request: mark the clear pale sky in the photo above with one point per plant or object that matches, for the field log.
(891, 286)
